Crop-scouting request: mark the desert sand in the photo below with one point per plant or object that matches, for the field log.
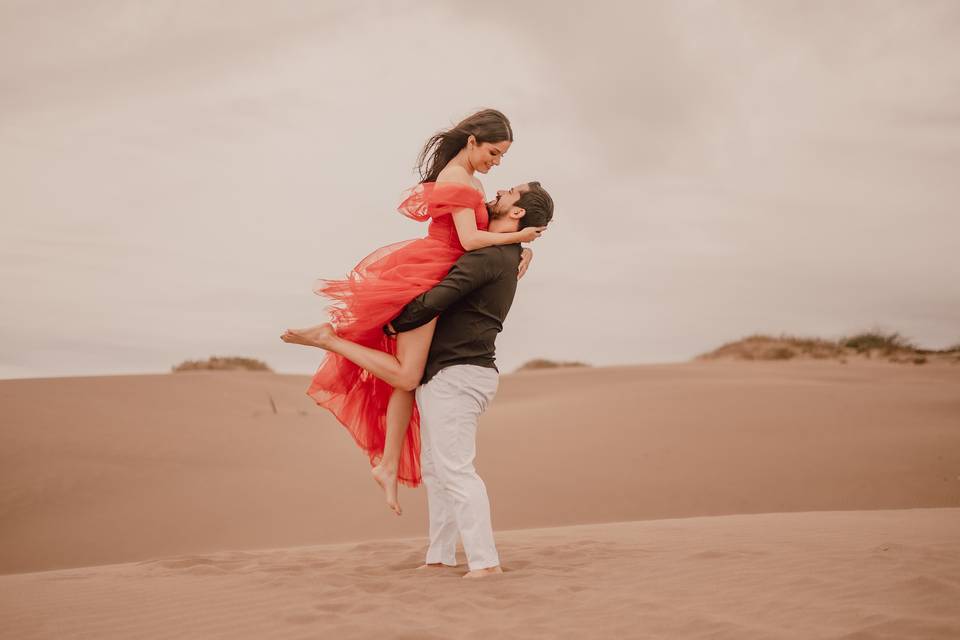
(703, 499)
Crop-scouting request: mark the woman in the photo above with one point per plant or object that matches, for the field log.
(382, 417)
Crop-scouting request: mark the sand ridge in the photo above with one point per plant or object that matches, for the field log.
(120, 468)
(689, 500)
(837, 574)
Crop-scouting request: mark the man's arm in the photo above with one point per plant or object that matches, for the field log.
(471, 271)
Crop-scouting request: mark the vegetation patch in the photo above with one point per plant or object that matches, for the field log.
(217, 363)
(892, 346)
(542, 363)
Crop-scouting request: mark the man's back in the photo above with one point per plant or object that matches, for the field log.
(472, 302)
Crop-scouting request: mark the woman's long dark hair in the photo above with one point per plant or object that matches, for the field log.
(488, 125)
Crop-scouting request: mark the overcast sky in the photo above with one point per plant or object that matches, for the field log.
(175, 175)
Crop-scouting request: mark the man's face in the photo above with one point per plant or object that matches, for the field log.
(506, 199)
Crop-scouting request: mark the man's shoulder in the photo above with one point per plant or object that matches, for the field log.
(498, 255)
(496, 261)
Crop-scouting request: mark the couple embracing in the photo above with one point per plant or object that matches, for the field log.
(410, 364)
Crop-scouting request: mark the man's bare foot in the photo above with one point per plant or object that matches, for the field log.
(431, 565)
(317, 336)
(481, 573)
(387, 479)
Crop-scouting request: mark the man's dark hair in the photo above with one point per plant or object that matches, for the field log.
(538, 206)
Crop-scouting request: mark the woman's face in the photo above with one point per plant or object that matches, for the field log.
(486, 155)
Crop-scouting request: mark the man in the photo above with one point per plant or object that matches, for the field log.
(459, 379)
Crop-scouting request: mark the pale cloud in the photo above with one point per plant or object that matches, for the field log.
(173, 178)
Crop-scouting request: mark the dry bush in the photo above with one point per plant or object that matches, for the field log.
(765, 347)
(779, 353)
(216, 363)
(892, 346)
(541, 363)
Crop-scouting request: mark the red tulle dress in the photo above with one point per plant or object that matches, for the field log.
(373, 294)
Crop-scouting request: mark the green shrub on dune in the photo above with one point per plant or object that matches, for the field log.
(542, 363)
(892, 346)
(216, 363)
(887, 343)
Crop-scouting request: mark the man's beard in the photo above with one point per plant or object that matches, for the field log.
(491, 209)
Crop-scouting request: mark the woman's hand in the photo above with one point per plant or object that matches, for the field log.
(529, 234)
(526, 255)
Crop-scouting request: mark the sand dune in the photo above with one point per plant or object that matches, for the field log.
(120, 468)
(842, 574)
(226, 505)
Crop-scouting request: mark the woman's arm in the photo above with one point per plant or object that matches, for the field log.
(472, 238)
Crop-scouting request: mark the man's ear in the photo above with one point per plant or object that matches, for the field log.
(518, 212)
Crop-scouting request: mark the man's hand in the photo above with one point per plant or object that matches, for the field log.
(526, 255)
(529, 234)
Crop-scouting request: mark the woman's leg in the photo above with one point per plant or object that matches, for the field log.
(402, 371)
(399, 410)
(412, 349)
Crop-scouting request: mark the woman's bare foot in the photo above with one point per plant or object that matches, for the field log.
(318, 336)
(387, 479)
(481, 573)
(431, 565)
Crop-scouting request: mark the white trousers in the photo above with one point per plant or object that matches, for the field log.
(450, 405)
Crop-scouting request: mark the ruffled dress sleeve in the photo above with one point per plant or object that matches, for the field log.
(432, 200)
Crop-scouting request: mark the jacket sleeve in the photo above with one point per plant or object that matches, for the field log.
(471, 271)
